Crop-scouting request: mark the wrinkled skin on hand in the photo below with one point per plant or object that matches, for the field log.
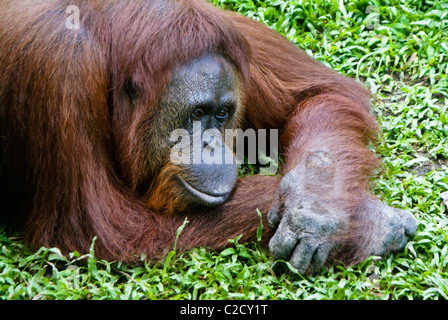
(309, 225)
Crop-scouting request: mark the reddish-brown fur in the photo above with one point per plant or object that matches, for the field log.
(74, 166)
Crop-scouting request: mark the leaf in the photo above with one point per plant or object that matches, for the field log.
(168, 259)
(179, 231)
(227, 252)
(91, 261)
(416, 160)
(260, 227)
(342, 283)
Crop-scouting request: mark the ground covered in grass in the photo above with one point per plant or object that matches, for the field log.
(399, 49)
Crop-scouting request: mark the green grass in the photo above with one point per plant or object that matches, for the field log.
(400, 51)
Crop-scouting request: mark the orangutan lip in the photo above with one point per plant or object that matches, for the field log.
(205, 197)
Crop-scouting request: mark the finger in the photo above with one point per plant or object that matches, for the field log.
(397, 227)
(274, 215)
(303, 254)
(319, 258)
(283, 242)
(410, 223)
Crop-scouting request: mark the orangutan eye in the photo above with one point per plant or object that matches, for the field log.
(222, 114)
(197, 114)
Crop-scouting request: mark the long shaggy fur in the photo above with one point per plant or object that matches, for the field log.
(75, 150)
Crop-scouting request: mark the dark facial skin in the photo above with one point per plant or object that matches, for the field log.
(202, 96)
